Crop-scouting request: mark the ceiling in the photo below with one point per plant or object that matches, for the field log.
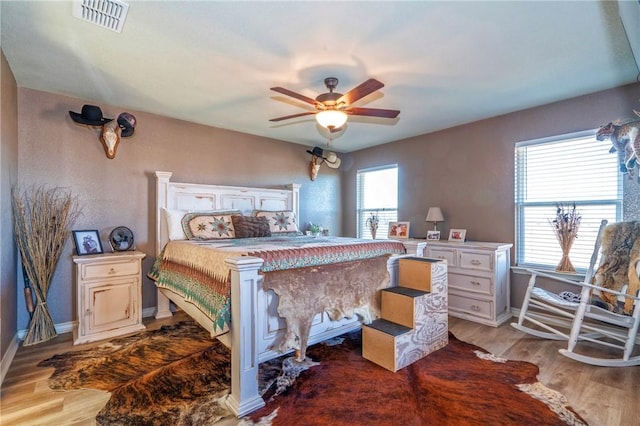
(212, 62)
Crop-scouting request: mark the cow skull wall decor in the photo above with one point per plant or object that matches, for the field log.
(314, 167)
(319, 157)
(110, 138)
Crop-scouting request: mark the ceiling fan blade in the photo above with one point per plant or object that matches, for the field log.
(360, 91)
(373, 112)
(295, 95)
(286, 117)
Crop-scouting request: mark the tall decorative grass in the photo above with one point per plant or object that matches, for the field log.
(42, 218)
(565, 226)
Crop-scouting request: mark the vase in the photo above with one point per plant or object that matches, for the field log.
(565, 264)
(373, 233)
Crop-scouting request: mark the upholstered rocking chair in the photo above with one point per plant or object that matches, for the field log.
(604, 308)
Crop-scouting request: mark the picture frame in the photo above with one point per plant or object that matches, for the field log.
(399, 230)
(87, 242)
(433, 235)
(457, 235)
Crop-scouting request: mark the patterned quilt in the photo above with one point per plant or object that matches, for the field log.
(196, 269)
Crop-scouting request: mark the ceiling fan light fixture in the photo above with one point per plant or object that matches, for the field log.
(331, 118)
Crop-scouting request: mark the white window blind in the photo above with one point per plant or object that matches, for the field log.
(567, 169)
(377, 193)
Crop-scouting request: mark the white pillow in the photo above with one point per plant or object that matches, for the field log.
(280, 222)
(173, 223)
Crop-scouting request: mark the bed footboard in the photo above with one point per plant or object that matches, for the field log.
(247, 334)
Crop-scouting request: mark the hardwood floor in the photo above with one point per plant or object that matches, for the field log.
(602, 396)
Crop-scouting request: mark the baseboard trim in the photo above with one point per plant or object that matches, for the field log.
(7, 359)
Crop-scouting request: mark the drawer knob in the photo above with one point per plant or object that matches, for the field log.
(475, 308)
(476, 262)
(475, 282)
(112, 271)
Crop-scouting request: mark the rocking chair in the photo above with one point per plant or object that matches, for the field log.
(596, 315)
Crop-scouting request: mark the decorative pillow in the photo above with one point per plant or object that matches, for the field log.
(249, 226)
(209, 225)
(173, 222)
(280, 221)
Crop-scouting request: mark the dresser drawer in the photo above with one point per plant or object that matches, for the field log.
(111, 269)
(474, 307)
(475, 284)
(443, 253)
(477, 261)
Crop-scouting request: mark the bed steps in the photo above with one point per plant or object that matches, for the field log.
(413, 321)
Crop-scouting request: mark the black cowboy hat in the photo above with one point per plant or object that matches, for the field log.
(317, 152)
(127, 123)
(91, 115)
(331, 158)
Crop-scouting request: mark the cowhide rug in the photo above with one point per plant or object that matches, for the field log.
(178, 376)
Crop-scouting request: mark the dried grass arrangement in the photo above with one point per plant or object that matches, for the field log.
(566, 225)
(42, 219)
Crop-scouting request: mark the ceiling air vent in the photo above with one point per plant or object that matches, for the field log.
(109, 14)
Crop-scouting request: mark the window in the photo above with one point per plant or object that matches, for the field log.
(377, 193)
(565, 169)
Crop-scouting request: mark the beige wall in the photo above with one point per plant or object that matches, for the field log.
(56, 151)
(8, 175)
(468, 170)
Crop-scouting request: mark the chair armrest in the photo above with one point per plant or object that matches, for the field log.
(554, 277)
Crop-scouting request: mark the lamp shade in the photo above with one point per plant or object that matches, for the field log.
(434, 215)
(331, 118)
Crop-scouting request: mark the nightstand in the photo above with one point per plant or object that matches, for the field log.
(108, 296)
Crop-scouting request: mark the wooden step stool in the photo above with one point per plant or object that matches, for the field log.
(413, 321)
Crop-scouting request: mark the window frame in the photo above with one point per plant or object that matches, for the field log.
(387, 214)
(590, 223)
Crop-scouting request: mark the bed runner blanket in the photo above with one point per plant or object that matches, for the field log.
(196, 270)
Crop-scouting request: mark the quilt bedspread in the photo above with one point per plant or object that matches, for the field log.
(196, 269)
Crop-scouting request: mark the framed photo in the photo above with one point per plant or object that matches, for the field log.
(87, 242)
(399, 229)
(433, 235)
(457, 235)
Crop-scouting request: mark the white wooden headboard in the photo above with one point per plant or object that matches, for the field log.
(201, 197)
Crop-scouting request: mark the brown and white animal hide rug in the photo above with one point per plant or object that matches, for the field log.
(342, 290)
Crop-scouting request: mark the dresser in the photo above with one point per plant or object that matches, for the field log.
(108, 295)
(479, 283)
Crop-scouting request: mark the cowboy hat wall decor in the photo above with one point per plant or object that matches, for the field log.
(91, 115)
(332, 160)
(127, 124)
(111, 132)
(318, 157)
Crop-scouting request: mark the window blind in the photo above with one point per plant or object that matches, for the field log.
(567, 169)
(377, 193)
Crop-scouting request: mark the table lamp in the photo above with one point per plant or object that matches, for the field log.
(434, 215)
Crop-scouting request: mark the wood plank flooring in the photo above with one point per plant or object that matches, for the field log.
(602, 396)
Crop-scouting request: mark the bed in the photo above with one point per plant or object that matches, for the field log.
(303, 271)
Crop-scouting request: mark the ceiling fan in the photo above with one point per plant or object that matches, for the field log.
(332, 108)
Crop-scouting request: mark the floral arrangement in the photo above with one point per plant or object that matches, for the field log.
(372, 222)
(566, 225)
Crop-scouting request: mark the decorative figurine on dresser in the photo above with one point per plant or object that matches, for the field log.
(108, 287)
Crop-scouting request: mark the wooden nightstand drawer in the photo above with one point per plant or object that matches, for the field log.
(111, 269)
(476, 261)
(471, 283)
